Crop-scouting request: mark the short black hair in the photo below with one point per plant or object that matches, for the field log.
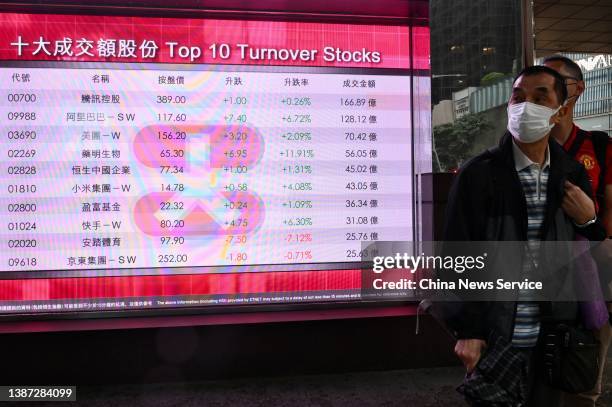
(570, 65)
(560, 88)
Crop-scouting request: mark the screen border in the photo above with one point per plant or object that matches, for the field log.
(158, 316)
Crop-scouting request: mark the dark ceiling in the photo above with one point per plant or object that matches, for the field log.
(573, 26)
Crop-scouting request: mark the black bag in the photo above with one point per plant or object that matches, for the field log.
(569, 358)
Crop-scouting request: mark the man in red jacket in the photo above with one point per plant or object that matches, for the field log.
(594, 151)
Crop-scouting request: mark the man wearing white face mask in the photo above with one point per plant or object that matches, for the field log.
(515, 193)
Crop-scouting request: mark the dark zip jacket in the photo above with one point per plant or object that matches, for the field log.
(487, 203)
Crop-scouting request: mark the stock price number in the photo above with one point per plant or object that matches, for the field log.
(171, 117)
(173, 187)
(171, 206)
(171, 99)
(171, 223)
(172, 258)
(171, 169)
(171, 135)
(172, 240)
(167, 153)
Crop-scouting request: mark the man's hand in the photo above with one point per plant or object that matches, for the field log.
(469, 351)
(577, 205)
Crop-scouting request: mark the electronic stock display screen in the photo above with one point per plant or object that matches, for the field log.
(150, 163)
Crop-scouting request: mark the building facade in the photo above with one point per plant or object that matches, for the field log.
(471, 41)
(594, 108)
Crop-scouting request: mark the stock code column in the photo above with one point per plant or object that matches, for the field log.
(104, 168)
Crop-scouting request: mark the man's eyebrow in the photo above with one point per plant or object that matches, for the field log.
(517, 89)
(542, 89)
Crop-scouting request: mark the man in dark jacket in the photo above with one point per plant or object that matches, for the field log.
(516, 192)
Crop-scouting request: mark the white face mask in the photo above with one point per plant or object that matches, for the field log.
(529, 122)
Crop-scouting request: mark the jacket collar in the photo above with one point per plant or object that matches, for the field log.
(560, 166)
(560, 162)
(521, 161)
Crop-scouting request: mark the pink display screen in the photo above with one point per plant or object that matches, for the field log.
(151, 163)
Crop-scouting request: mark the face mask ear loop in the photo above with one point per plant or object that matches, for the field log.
(559, 108)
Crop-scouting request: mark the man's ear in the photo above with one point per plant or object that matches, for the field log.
(557, 117)
(580, 87)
